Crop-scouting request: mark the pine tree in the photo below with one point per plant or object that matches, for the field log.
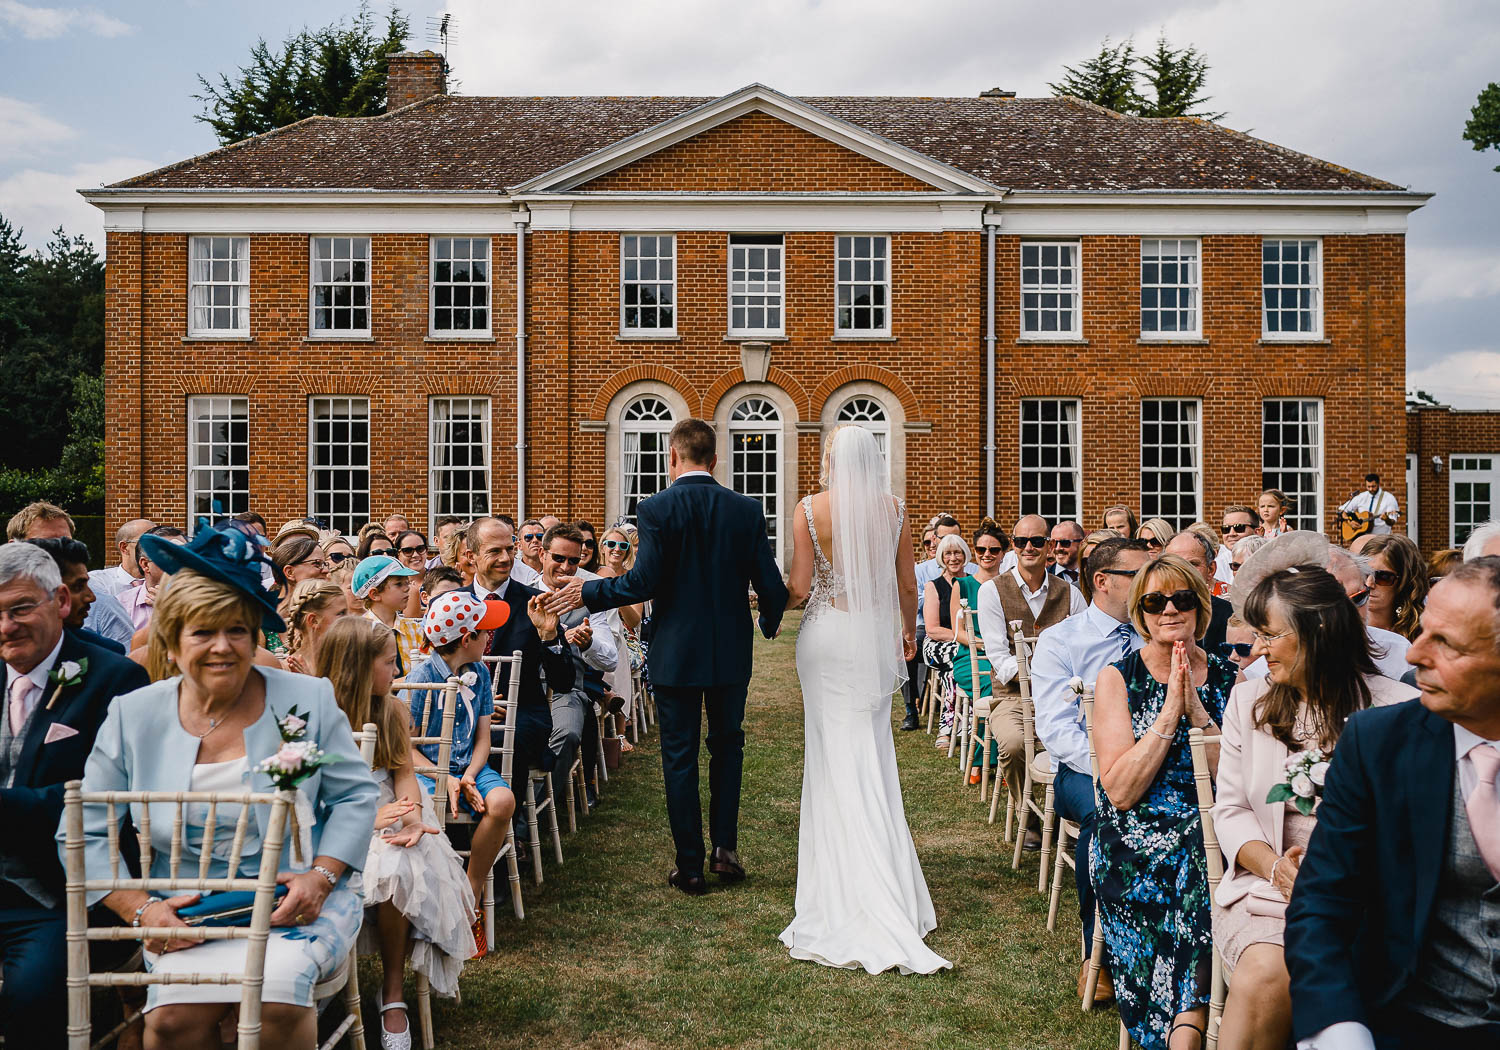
(1176, 78)
(1483, 128)
(1107, 79)
(1173, 80)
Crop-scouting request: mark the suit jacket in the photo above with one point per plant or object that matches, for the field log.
(1218, 625)
(1251, 763)
(32, 809)
(520, 633)
(702, 547)
(1358, 916)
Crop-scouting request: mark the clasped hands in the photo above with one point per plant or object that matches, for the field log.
(1182, 696)
(306, 892)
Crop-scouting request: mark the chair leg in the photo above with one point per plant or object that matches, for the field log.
(1124, 1037)
(424, 1011)
(552, 820)
(1096, 963)
(488, 906)
(931, 694)
(513, 870)
(572, 816)
(1216, 996)
(603, 766)
(352, 1005)
(1049, 834)
(1058, 865)
(536, 838)
(984, 761)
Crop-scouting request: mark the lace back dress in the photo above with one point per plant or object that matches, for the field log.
(861, 899)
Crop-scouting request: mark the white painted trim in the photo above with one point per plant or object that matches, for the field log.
(749, 99)
(1195, 218)
(488, 331)
(647, 333)
(1196, 334)
(240, 217)
(855, 334)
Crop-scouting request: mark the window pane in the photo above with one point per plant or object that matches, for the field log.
(219, 432)
(1049, 288)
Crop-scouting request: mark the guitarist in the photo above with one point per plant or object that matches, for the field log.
(1374, 510)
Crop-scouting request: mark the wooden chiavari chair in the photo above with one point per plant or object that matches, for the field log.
(1214, 856)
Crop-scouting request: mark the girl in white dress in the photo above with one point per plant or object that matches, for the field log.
(861, 897)
(413, 879)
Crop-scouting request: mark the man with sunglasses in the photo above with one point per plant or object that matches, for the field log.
(1067, 546)
(528, 566)
(1038, 599)
(916, 670)
(1239, 522)
(1080, 647)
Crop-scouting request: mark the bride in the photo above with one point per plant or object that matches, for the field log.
(861, 898)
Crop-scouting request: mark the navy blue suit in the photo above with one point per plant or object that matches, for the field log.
(33, 1001)
(702, 547)
(1357, 920)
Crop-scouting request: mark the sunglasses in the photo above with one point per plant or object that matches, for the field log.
(407, 552)
(531, 537)
(1234, 566)
(591, 544)
(1120, 572)
(1242, 527)
(1063, 543)
(1155, 602)
(387, 551)
(1240, 649)
(993, 551)
(1384, 577)
(1153, 543)
(560, 559)
(339, 559)
(1030, 541)
(616, 545)
(1360, 597)
(929, 543)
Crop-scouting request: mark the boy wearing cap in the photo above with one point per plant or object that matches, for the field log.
(382, 583)
(459, 626)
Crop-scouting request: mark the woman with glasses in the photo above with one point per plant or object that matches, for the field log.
(1157, 532)
(591, 556)
(941, 646)
(1121, 519)
(373, 542)
(337, 550)
(300, 558)
(1242, 550)
(617, 556)
(1272, 507)
(1147, 860)
(1398, 583)
(1319, 672)
(990, 546)
(411, 552)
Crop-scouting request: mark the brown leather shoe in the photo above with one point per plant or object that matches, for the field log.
(692, 885)
(725, 863)
(1104, 989)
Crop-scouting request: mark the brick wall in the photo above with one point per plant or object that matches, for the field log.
(1445, 433)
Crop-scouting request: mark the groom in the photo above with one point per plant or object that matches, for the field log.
(701, 548)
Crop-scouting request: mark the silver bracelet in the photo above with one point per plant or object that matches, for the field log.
(1153, 731)
(333, 880)
(135, 920)
(1272, 878)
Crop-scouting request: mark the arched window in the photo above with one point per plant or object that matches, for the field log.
(644, 426)
(755, 459)
(870, 414)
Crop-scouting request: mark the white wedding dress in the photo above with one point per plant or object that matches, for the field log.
(861, 897)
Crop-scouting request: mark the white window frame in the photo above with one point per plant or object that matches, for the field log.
(1193, 288)
(656, 427)
(216, 410)
(313, 331)
(433, 284)
(239, 290)
(854, 409)
(1471, 468)
(1036, 501)
(443, 501)
(771, 429)
(1178, 519)
(656, 283)
(741, 286)
(352, 518)
(840, 283)
(1315, 521)
(1316, 287)
(1075, 290)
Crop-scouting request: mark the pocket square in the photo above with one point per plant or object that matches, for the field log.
(57, 731)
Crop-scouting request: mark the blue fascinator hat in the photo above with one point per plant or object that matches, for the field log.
(227, 555)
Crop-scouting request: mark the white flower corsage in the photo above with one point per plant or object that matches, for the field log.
(66, 675)
(1303, 786)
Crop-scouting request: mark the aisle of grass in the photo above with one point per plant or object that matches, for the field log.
(609, 956)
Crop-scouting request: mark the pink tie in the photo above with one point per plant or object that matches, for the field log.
(20, 689)
(1484, 809)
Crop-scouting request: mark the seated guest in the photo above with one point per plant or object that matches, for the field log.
(1319, 673)
(458, 554)
(411, 551)
(337, 550)
(968, 588)
(1157, 532)
(1121, 519)
(207, 730)
(1239, 523)
(314, 607)
(1242, 551)
(1398, 585)
(1080, 647)
(1218, 582)
(444, 525)
(72, 559)
(140, 597)
(116, 578)
(1239, 647)
(1391, 934)
(618, 555)
(39, 521)
(1067, 546)
(394, 526)
(1090, 542)
(590, 546)
(46, 731)
(381, 583)
(343, 576)
(299, 557)
(1148, 866)
(1443, 562)
(941, 645)
(412, 878)
(1272, 507)
(1198, 551)
(528, 566)
(926, 571)
(1483, 541)
(374, 543)
(459, 628)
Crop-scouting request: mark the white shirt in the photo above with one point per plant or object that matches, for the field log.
(1375, 503)
(1222, 572)
(1079, 647)
(693, 474)
(601, 654)
(37, 675)
(110, 581)
(996, 631)
(524, 574)
(499, 592)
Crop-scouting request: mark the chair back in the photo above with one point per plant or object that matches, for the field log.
(365, 738)
(1086, 698)
(965, 624)
(506, 730)
(1203, 781)
(143, 807)
(444, 694)
(1020, 647)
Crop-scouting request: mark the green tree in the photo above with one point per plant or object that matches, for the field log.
(1483, 128)
(1176, 78)
(1107, 79)
(336, 71)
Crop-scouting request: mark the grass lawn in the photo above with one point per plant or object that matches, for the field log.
(609, 956)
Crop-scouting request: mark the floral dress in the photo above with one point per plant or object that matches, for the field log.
(1149, 871)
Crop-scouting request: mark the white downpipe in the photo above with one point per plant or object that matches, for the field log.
(991, 223)
(522, 217)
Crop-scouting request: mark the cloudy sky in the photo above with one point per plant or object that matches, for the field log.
(93, 93)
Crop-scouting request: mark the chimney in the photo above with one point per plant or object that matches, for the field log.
(995, 92)
(412, 76)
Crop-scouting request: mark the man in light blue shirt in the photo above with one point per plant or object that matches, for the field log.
(1080, 647)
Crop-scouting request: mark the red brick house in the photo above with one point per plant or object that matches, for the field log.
(1452, 472)
(474, 303)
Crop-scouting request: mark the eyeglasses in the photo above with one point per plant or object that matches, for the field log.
(24, 611)
(1241, 527)
(1360, 597)
(929, 543)
(1267, 639)
(1030, 541)
(1384, 577)
(1155, 602)
(989, 551)
(1240, 649)
(1063, 543)
(616, 545)
(559, 559)
(531, 537)
(321, 564)
(338, 559)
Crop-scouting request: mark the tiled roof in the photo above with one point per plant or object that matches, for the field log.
(458, 142)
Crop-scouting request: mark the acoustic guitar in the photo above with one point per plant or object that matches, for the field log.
(1355, 523)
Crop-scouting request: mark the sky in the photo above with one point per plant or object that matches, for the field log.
(93, 93)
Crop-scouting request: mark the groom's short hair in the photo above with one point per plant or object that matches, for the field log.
(694, 441)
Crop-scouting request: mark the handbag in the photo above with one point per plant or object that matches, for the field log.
(232, 908)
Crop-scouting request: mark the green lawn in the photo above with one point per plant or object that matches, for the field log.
(609, 956)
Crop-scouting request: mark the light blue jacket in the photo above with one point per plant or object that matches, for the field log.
(142, 747)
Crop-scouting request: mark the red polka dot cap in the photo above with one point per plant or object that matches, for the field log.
(451, 615)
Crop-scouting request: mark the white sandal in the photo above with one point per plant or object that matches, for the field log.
(394, 1040)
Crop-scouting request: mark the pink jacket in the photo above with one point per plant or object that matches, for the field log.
(1251, 762)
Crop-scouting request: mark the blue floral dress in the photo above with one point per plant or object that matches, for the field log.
(1149, 873)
